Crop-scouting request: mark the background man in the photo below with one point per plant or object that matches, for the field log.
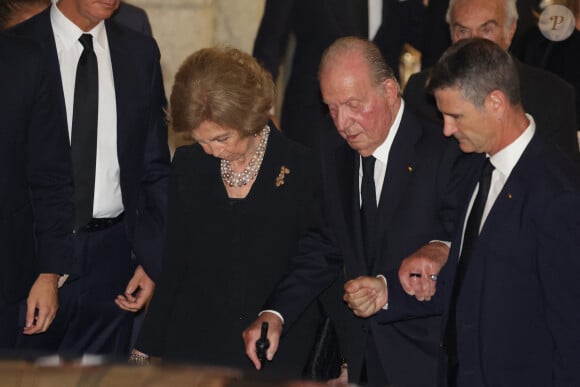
(120, 167)
(548, 98)
(379, 218)
(513, 309)
(314, 26)
(36, 210)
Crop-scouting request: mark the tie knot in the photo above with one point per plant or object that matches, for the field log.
(487, 167)
(87, 41)
(368, 164)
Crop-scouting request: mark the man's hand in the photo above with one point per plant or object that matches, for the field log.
(42, 304)
(252, 333)
(138, 292)
(418, 272)
(366, 295)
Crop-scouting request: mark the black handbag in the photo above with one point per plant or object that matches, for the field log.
(325, 360)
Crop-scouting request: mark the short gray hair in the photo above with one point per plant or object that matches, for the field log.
(476, 67)
(511, 12)
(378, 67)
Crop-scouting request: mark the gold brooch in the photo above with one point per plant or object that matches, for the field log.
(280, 179)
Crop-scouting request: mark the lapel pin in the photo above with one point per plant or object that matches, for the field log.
(510, 196)
(410, 168)
(280, 179)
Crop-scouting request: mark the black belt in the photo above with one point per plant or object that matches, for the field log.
(98, 224)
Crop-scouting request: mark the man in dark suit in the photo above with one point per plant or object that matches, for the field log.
(513, 312)
(548, 98)
(412, 186)
(36, 211)
(315, 25)
(118, 235)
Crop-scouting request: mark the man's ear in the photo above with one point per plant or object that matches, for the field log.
(390, 88)
(496, 102)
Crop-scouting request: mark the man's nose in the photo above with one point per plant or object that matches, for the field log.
(343, 119)
(448, 127)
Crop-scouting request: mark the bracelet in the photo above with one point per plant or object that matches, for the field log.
(138, 359)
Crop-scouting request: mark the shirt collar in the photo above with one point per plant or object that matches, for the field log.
(68, 33)
(382, 151)
(506, 159)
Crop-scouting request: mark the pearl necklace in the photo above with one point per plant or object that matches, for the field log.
(239, 179)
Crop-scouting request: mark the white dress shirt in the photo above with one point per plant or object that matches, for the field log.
(504, 162)
(108, 201)
(382, 156)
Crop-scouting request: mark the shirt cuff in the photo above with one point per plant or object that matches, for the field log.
(273, 312)
(386, 306)
(447, 243)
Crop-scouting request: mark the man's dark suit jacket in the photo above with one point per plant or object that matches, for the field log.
(141, 130)
(315, 26)
(548, 98)
(36, 210)
(517, 313)
(132, 17)
(416, 206)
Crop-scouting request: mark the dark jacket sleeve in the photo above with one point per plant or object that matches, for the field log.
(152, 201)
(316, 266)
(49, 171)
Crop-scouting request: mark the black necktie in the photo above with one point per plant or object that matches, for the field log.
(368, 206)
(469, 241)
(84, 131)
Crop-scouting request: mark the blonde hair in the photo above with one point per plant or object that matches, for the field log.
(223, 85)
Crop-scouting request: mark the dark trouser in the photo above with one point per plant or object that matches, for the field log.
(88, 320)
(373, 374)
(9, 328)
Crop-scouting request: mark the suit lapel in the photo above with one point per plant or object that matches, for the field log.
(123, 65)
(512, 194)
(41, 27)
(400, 166)
(495, 229)
(345, 171)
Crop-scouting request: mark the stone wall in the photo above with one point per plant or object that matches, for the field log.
(184, 26)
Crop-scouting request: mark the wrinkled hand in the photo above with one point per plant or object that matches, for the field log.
(138, 292)
(366, 295)
(252, 333)
(418, 272)
(42, 304)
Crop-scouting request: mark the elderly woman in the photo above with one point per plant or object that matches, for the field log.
(241, 197)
